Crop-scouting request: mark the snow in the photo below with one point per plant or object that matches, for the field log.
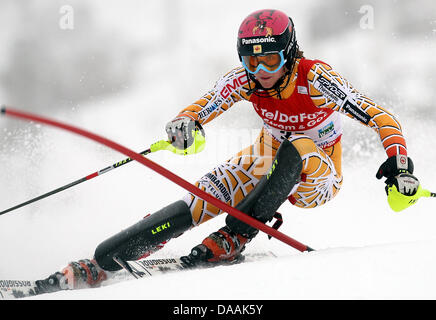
(389, 271)
(363, 249)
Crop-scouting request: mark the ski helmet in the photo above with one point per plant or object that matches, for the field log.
(268, 31)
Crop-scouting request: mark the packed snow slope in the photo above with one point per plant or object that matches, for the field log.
(363, 249)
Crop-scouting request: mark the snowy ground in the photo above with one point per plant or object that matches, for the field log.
(387, 271)
(364, 250)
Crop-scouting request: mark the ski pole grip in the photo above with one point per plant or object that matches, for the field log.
(160, 145)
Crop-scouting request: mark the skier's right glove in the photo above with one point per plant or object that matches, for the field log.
(186, 135)
(398, 170)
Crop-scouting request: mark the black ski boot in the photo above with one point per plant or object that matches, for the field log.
(53, 283)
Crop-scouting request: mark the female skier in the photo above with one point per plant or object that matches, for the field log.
(297, 155)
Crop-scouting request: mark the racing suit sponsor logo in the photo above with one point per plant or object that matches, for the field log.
(356, 112)
(231, 86)
(330, 90)
(326, 130)
(220, 186)
(209, 109)
(296, 118)
(292, 122)
(324, 134)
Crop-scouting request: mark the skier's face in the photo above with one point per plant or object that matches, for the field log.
(268, 80)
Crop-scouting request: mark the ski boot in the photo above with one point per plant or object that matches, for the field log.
(84, 274)
(77, 275)
(53, 283)
(221, 247)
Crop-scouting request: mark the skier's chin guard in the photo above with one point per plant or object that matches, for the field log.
(271, 191)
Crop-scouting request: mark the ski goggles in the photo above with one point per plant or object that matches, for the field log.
(270, 62)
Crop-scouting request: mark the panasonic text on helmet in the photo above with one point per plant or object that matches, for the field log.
(258, 40)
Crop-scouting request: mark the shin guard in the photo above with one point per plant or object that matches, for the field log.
(133, 242)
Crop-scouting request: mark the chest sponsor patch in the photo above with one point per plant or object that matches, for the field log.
(291, 122)
(329, 128)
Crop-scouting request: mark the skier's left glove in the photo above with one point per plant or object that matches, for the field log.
(398, 170)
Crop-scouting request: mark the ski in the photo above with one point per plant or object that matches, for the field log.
(11, 289)
(142, 268)
(151, 267)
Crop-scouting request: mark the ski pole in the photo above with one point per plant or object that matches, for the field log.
(196, 147)
(88, 177)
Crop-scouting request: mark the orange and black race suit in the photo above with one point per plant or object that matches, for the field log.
(307, 113)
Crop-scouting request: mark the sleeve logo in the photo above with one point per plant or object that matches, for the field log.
(356, 112)
(330, 90)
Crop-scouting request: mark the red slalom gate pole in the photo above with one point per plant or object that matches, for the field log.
(164, 172)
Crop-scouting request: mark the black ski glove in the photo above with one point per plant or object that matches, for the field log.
(398, 170)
